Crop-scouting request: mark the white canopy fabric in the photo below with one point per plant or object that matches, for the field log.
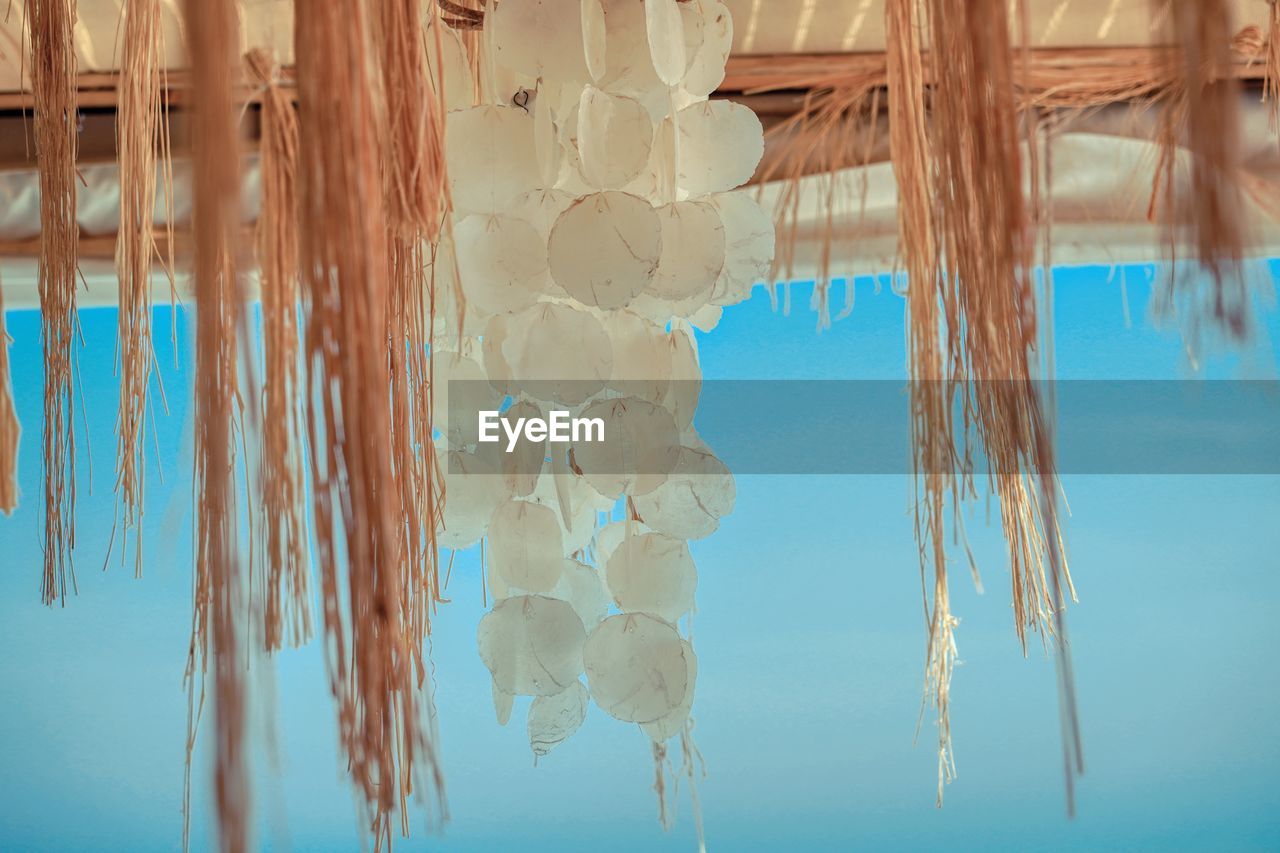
(1103, 169)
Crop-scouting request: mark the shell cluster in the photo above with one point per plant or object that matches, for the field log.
(596, 224)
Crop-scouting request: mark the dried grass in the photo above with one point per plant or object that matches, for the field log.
(1202, 113)
(10, 431)
(931, 397)
(346, 293)
(53, 77)
(217, 629)
(287, 604)
(142, 135)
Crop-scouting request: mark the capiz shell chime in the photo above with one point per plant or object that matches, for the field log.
(595, 224)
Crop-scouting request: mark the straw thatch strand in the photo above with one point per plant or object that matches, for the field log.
(287, 606)
(53, 78)
(217, 625)
(10, 430)
(931, 428)
(346, 294)
(142, 134)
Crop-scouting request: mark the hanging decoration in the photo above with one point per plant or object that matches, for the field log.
(287, 608)
(540, 200)
(10, 431)
(143, 147)
(358, 512)
(595, 206)
(53, 80)
(218, 627)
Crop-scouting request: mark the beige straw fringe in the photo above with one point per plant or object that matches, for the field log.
(287, 604)
(53, 77)
(142, 131)
(1202, 112)
(218, 629)
(346, 293)
(10, 430)
(931, 429)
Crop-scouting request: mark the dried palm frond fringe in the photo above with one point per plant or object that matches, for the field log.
(963, 225)
(10, 430)
(287, 604)
(1202, 113)
(835, 129)
(53, 78)
(218, 632)
(346, 294)
(417, 199)
(143, 142)
(931, 428)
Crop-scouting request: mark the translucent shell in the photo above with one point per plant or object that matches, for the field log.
(461, 382)
(636, 667)
(523, 465)
(532, 645)
(630, 68)
(525, 547)
(496, 366)
(652, 573)
(686, 378)
(665, 30)
(641, 445)
(562, 351)
(476, 489)
(721, 144)
(491, 157)
(706, 70)
(749, 247)
(693, 251)
(697, 494)
(540, 38)
(612, 534)
(594, 38)
(502, 261)
(641, 356)
(582, 586)
(605, 249)
(553, 719)
(502, 702)
(614, 135)
(670, 725)
(453, 75)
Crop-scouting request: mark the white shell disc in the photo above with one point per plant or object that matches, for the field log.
(636, 667)
(697, 494)
(693, 251)
(532, 645)
(706, 71)
(563, 349)
(491, 156)
(614, 138)
(670, 725)
(641, 445)
(553, 719)
(502, 261)
(539, 38)
(749, 247)
(721, 144)
(605, 249)
(652, 573)
(525, 546)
